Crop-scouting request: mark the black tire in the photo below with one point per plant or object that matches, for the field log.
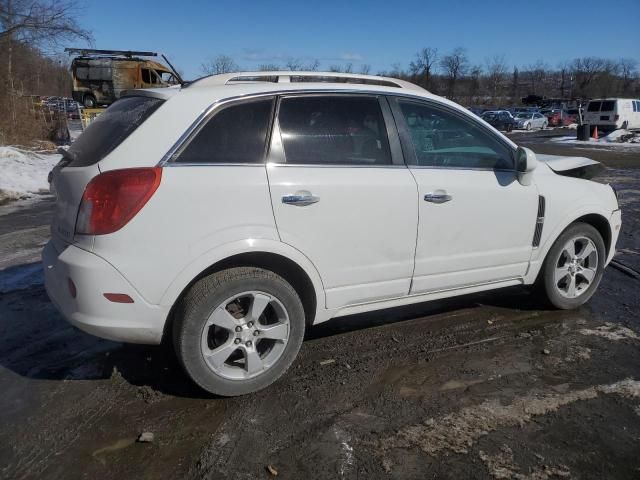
(509, 127)
(204, 297)
(546, 286)
(89, 101)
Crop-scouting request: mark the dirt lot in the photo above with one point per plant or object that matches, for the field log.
(484, 386)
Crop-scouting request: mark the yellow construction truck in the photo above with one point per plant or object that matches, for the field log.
(100, 76)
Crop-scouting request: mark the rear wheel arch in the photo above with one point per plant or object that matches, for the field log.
(289, 270)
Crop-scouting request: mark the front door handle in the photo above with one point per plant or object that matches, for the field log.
(300, 199)
(439, 196)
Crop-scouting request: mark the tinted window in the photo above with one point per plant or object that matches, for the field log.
(608, 106)
(110, 129)
(236, 134)
(146, 75)
(334, 130)
(443, 139)
(593, 107)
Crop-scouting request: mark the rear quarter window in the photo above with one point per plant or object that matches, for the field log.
(110, 129)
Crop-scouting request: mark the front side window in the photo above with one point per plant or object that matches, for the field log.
(328, 129)
(236, 134)
(443, 139)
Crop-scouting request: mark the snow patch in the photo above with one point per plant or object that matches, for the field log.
(503, 466)
(618, 138)
(612, 332)
(459, 431)
(24, 172)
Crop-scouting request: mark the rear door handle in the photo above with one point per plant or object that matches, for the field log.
(300, 199)
(439, 196)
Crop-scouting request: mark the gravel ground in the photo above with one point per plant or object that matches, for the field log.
(483, 386)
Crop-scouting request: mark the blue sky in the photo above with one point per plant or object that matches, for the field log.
(378, 33)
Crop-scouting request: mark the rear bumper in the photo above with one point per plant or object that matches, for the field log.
(137, 322)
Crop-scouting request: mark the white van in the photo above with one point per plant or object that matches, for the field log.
(614, 113)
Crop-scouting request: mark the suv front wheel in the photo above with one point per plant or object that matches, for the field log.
(573, 267)
(238, 330)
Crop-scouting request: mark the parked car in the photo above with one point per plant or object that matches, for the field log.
(558, 117)
(614, 113)
(500, 119)
(530, 120)
(229, 215)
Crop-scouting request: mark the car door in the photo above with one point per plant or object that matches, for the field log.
(476, 221)
(342, 195)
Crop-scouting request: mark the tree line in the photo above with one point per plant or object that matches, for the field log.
(493, 82)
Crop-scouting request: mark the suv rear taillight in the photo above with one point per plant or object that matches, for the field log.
(113, 198)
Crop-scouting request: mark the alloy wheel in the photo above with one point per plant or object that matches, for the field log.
(245, 335)
(576, 267)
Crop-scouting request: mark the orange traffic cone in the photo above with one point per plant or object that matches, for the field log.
(595, 133)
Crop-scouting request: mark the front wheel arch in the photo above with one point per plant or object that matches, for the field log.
(597, 221)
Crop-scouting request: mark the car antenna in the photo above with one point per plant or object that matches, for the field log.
(175, 72)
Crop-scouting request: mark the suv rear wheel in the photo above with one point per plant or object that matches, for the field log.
(238, 330)
(573, 267)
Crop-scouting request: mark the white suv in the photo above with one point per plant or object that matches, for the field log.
(230, 214)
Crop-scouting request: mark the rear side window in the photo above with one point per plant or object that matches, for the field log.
(608, 106)
(110, 129)
(442, 139)
(328, 129)
(594, 107)
(236, 134)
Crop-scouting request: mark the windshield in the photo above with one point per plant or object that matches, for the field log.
(168, 77)
(523, 115)
(110, 129)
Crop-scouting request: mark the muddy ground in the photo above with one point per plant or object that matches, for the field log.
(484, 386)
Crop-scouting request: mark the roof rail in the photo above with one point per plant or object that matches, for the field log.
(120, 53)
(304, 76)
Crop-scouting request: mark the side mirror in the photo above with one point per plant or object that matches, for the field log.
(526, 163)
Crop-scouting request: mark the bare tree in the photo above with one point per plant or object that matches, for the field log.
(365, 69)
(454, 66)
(627, 69)
(565, 77)
(515, 83)
(293, 64)
(424, 64)
(536, 72)
(219, 64)
(268, 67)
(41, 24)
(496, 74)
(585, 70)
(313, 65)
